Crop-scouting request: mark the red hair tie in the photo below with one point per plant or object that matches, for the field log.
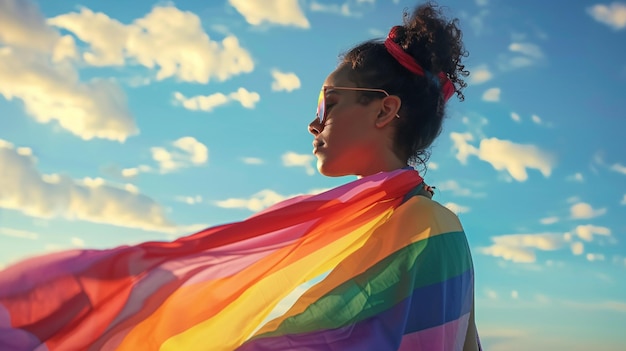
(408, 62)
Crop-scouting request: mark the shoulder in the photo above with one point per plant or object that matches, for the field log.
(424, 212)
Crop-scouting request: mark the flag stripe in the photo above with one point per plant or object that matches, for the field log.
(383, 330)
(357, 260)
(413, 270)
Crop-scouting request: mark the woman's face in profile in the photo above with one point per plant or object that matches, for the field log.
(344, 143)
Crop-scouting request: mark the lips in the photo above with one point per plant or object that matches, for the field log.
(317, 144)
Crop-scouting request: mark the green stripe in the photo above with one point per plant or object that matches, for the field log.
(382, 286)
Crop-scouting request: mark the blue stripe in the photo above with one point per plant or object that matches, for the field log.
(440, 303)
(427, 307)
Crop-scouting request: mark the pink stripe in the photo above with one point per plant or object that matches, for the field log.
(372, 182)
(342, 193)
(216, 263)
(446, 337)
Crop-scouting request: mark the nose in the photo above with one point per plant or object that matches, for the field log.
(315, 127)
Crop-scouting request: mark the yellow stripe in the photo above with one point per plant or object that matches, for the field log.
(229, 328)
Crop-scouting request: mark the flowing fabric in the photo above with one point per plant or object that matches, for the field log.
(359, 267)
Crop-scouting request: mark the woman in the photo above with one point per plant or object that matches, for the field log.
(370, 265)
(382, 108)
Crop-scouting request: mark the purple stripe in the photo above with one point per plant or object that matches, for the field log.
(381, 333)
(28, 274)
(427, 307)
(16, 339)
(444, 337)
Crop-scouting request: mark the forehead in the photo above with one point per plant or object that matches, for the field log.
(339, 78)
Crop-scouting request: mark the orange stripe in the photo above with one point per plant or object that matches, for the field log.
(216, 295)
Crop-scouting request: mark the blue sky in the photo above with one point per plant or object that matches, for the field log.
(123, 122)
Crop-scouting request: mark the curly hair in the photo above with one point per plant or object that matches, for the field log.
(436, 44)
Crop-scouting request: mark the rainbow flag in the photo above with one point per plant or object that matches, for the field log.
(365, 266)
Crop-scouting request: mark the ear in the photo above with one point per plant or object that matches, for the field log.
(388, 111)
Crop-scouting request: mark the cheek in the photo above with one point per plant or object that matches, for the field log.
(343, 143)
(345, 134)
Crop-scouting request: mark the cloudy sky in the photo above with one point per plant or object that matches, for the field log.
(123, 122)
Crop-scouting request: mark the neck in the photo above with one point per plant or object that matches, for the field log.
(386, 163)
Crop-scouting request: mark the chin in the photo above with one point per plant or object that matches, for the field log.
(329, 170)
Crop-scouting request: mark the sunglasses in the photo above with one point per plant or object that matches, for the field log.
(321, 102)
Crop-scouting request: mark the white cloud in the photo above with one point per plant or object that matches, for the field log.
(342, 10)
(377, 33)
(583, 210)
(198, 152)
(36, 66)
(252, 160)
(514, 294)
(25, 189)
(77, 241)
(595, 257)
(456, 189)
(617, 167)
(433, 165)
(456, 208)
(572, 199)
(200, 102)
(515, 254)
(246, 98)
(476, 21)
(186, 152)
(53, 93)
(541, 241)
(586, 232)
(134, 171)
(577, 248)
(23, 26)
(549, 220)
(515, 117)
(521, 247)
(613, 15)
(623, 200)
(527, 49)
(18, 233)
(491, 294)
(536, 119)
(106, 36)
(514, 158)
(280, 12)
(261, 200)
(576, 177)
(209, 102)
(285, 81)
(190, 200)
(480, 75)
(167, 39)
(492, 95)
(464, 149)
(504, 155)
(523, 55)
(131, 188)
(292, 159)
